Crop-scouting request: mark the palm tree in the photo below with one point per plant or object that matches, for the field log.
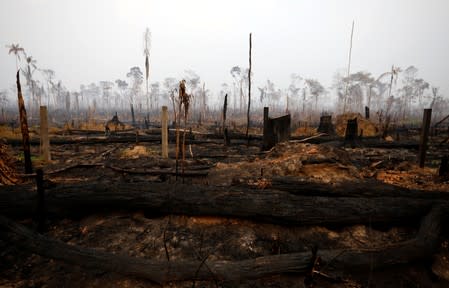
(16, 49)
(31, 63)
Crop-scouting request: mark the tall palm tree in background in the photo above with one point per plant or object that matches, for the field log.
(16, 50)
(28, 73)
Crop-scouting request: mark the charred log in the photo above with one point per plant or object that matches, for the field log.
(161, 271)
(260, 205)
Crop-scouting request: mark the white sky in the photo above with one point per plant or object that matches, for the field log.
(86, 41)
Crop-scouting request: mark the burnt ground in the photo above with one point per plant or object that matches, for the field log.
(217, 238)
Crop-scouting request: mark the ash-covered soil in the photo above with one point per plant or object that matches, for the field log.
(182, 237)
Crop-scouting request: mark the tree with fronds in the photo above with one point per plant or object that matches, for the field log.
(16, 50)
(28, 73)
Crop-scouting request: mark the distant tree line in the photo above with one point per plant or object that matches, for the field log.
(398, 93)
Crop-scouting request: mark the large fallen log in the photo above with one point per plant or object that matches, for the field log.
(161, 272)
(361, 188)
(260, 205)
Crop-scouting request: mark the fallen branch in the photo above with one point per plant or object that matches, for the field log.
(193, 171)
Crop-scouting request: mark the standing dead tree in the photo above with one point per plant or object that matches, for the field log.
(249, 86)
(24, 128)
(225, 129)
(349, 69)
(183, 101)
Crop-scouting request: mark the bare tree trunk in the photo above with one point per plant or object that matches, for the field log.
(133, 116)
(24, 128)
(349, 69)
(224, 128)
(164, 132)
(249, 87)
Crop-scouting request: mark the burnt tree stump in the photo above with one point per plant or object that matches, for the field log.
(366, 112)
(275, 130)
(351, 136)
(443, 171)
(326, 125)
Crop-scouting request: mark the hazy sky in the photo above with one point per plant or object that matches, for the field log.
(86, 41)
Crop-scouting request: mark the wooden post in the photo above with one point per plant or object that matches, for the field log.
(45, 141)
(24, 127)
(164, 132)
(424, 135)
(41, 209)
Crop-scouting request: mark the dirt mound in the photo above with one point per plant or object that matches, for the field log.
(8, 175)
(136, 152)
(369, 128)
(320, 163)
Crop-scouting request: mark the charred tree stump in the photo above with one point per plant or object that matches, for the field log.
(24, 128)
(366, 112)
(275, 130)
(443, 171)
(424, 135)
(351, 136)
(268, 140)
(326, 125)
